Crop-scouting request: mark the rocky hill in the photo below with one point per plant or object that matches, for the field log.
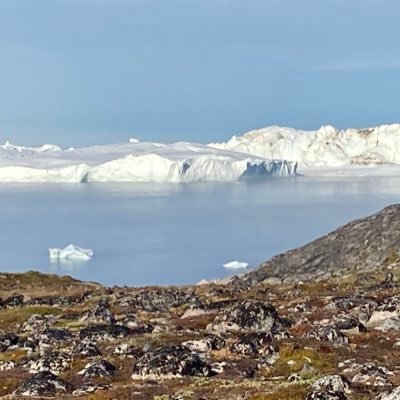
(364, 245)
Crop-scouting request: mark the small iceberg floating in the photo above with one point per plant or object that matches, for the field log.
(71, 252)
(236, 265)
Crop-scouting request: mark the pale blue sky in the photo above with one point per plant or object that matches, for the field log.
(78, 72)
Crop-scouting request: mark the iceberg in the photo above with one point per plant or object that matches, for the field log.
(325, 147)
(135, 162)
(236, 265)
(71, 252)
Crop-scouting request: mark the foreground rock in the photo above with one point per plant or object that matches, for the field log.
(43, 384)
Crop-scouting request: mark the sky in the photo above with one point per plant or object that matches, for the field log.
(82, 72)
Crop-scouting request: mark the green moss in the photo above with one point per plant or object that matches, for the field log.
(293, 358)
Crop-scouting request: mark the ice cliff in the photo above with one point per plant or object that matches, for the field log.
(326, 147)
(134, 162)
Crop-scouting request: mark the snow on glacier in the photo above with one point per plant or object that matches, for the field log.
(325, 147)
(71, 252)
(134, 162)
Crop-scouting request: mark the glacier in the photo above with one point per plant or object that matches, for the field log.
(71, 252)
(135, 162)
(327, 147)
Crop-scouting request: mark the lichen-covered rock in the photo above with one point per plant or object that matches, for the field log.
(326, 396)
(55, 362)
(373, 375)
(129, 320)
(7, 340)
(52, 335)
(391, 323)
(43, 384)
(160, 299)
(330, 334)
(105, 332)
(391, 303)
(37, 323)
(251, 344)
(99, 314)
(125, 350)
(85, 349)
(15, 300)
(170, 361)
(6, 365)
(208, 343)
(345, 322)
(393, 394)
(28, 343)
(333, 383)
(98, 369)
(249, 315)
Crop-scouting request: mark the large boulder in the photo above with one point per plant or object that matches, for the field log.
(170, 362)
(248, 315)
(43, 384)
(98, 369)
(333, 383)
(100, 314)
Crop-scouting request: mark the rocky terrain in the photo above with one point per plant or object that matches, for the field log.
(319, 322)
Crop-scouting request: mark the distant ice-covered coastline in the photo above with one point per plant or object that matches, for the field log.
(134, 162)
(272, 151)
(326, 151)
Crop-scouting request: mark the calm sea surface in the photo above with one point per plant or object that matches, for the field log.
(146, 234)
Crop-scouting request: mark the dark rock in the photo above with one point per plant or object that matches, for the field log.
(29, 343)
(170, 361)
(330, 334)
(15, 300)
(126, 350)
(372, 375)
(54, 362)
(98, 369)
(345, 322)
(85, 349)
(251, 344)
(391, 304)
(43, 384)
(249, 315)
(105, 332)
(7, 340)
(100, 314)
(159, 299)
(51, 335)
